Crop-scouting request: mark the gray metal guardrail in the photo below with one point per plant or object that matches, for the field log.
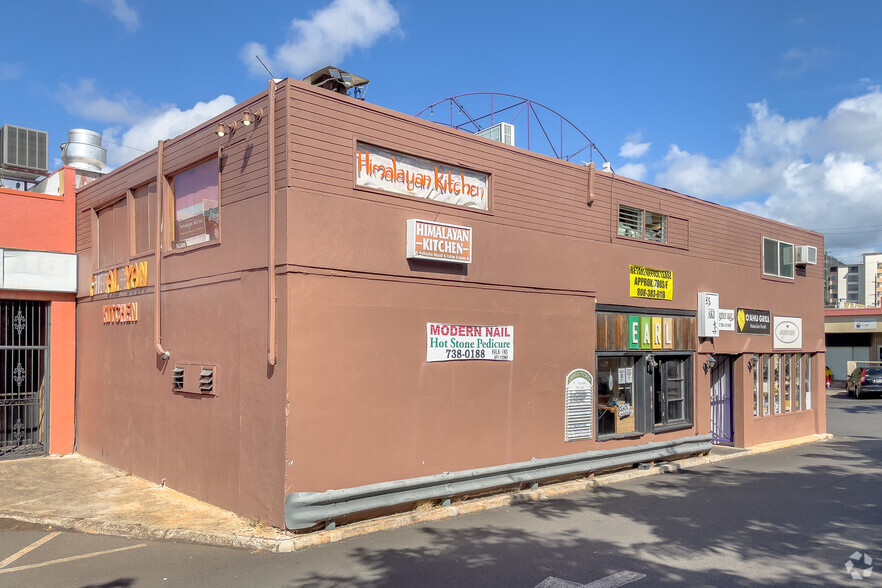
(304, 510)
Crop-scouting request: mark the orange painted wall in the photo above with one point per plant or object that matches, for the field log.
(44, 222)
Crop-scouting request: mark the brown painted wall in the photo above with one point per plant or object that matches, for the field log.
(353, 400)
(227, 448)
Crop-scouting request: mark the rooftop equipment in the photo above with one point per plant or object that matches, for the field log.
(340, 81)
(83, 150)
(502, 132)
(24, 153)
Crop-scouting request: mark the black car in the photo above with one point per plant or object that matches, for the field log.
(863, 381)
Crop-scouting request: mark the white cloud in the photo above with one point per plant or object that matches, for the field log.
(796, 62)
(125, 144)
(326, 38)
(821, 172)
(632, 148)
(84, 100)
(135, 126)
(121, 11)
(10, 71)
(635, 171)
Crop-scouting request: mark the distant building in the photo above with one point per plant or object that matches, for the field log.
(852, 335)
(855, 285)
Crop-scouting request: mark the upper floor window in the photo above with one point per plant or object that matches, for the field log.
(144, 218)
(112, 234)
(777, 258)
(642, 224)
(196, 205)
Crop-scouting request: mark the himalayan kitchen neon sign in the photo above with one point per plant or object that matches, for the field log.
(412, 176)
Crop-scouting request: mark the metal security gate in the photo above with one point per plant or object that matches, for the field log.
(721, 400)
(24, 375)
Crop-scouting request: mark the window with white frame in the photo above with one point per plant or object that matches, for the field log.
(777, 258)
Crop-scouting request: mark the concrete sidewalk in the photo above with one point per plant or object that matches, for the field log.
(80, 494)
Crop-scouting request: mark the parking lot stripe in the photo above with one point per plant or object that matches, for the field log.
(28, 549)
(67, 559)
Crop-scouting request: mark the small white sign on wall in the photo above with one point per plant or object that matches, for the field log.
(727, 319)
(787, 332)
(708, 314)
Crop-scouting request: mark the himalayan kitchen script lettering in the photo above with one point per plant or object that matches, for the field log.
(443, 181)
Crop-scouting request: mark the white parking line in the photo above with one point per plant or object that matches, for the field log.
(28, 549)
(67, 559)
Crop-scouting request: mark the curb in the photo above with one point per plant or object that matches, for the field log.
(287, 543)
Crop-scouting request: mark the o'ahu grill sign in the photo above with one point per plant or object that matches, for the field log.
(753, 322)
(412, 176)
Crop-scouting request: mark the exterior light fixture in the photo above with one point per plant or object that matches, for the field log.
(751, 363)
(224, 130)
(249, 118)
(709, 363)
(651, 363)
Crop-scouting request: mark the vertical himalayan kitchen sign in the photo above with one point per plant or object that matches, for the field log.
(411, 176)
(469, 342)
(438, 241)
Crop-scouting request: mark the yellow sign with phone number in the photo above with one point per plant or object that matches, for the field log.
(646, 282)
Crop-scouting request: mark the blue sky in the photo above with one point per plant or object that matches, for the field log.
(773, 107)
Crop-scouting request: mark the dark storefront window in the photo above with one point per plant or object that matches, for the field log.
(643, 393)
(615, 395)
(670, 384)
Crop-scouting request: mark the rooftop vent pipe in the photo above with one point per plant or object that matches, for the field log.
(83, 150)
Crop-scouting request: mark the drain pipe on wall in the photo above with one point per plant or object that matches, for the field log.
(271, 253)
(160, 183)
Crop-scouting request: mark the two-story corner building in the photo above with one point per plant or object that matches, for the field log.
(338, 310)
(38, 317)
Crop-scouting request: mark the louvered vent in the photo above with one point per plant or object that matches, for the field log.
(178, 379)
(206, 381)
(195, 378)
(24, 148)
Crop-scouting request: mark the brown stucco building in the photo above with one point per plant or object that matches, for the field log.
(345, 309)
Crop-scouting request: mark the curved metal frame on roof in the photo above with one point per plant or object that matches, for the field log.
(519, 106)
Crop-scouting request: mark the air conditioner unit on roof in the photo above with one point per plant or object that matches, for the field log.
(502, 132)
(806, 255)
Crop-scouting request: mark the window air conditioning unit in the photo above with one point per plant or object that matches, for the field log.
(806, 255)
(502, 132)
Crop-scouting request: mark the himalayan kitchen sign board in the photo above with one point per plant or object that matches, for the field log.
(411, 176)
(438, 241)
(646, 282)
(469, 342)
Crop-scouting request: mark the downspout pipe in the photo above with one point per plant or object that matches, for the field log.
(271, 230)
(160, 184)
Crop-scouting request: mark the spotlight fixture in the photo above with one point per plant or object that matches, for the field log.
(709, 363)
(224, 130)
(751, 363)
(249, 118)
